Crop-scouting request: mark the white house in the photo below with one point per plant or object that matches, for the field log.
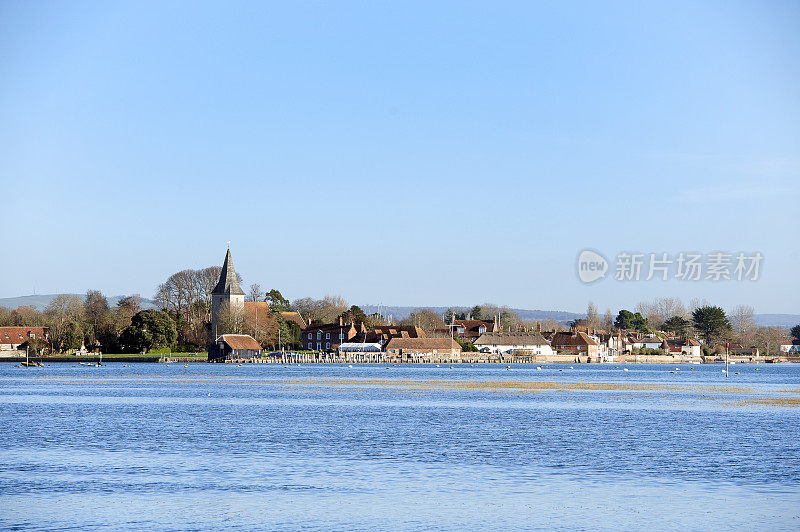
(793, 348)
(513, 342)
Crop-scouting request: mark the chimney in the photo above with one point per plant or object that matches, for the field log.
(341, 321)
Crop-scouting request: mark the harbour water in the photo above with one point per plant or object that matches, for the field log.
(411, 447)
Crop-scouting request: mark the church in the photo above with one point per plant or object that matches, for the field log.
(229, 296)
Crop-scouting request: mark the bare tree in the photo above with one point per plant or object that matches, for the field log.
(255, 293)
(608, 321)
(769, 339)
(62, 312)
(743, 323)
(592, 318)
(425, 319)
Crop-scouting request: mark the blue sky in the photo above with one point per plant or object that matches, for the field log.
(407, 153)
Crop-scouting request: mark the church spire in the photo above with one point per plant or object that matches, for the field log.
(228, 285)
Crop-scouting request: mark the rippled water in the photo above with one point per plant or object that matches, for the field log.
(153, 446)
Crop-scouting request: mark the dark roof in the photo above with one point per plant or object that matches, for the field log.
(511, 338)
(228, 285)
(239, 341)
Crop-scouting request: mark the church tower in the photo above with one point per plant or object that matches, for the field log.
(226, 293)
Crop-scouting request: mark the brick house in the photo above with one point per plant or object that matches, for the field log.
(16, 338)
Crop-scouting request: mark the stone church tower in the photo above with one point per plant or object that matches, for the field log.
(226, 293)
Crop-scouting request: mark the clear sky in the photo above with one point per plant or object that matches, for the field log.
(412, 153)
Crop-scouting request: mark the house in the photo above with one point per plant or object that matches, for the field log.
(679, 347)
(646, 342)
(234, 346)
(327, 336)
(511, 343)
(740, 350)
(383, 334)
(422, 349)
(579, 343)
(16, 338)
(468, 330)
(793, 348)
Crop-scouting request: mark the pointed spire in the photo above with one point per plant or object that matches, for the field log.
(228, 285)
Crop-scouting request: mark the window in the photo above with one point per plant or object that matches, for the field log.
(319, 346)
(482, 330)
(341, 337)
(309, 336)
(310, 345)
(327, 345)
(327, 336)
(319, 335)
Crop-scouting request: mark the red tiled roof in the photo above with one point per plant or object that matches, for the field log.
(20, 335)
(239, 341)
(295, 317)
(562, 339)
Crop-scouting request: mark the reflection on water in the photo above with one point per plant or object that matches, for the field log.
(408, 447)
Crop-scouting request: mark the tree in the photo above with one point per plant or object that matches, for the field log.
(425, 319)
(356, 315)
(608, 321)
(255, 293)
(796, 332)
(96, 312)
(743, 323)
(769, 339)
(187, 296)
(677, 324)
(710, 322)
(592, 318)
(628, 320)
(276, 301)
(466, 346)
(62, 314)
(149, 329)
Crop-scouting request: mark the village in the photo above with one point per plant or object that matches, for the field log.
(240, 328)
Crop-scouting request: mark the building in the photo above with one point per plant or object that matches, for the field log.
(226, 295)
(423, 349)
(792, 348)
(740, 350)
(327, 336)
(513, 343)
(579, 343)
(469, 330)
(234, 346)
(17, 338)
(384, 334)
(688, 347)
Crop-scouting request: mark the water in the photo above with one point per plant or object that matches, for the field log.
(413, 447)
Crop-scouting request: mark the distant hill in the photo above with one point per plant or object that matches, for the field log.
(400, 313)
(40, 302)
(778, 320)
(767, 320)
